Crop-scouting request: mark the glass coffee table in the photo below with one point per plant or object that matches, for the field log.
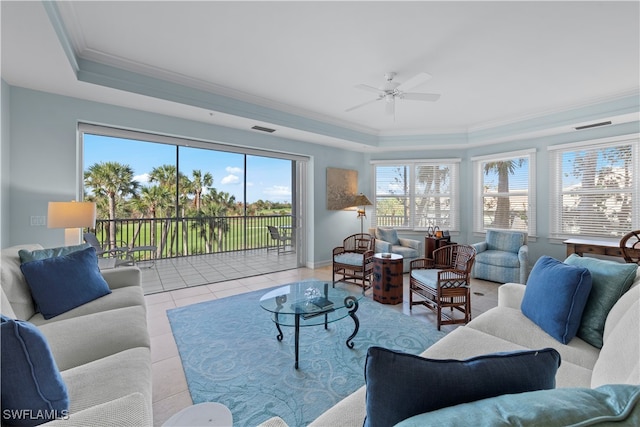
(312, 303)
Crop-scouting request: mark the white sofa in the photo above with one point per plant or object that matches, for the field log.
(505, 328)
(102, 348)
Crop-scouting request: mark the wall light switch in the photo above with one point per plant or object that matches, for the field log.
(38, 221)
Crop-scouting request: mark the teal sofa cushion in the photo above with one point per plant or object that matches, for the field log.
(609, 405)
(33, 391)
(610, 280)
(62, 283)
(555, 297)
(401, 385)
(27, 255)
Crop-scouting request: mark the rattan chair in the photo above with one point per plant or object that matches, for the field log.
(443, 282)
(354, 259)
(630, 247)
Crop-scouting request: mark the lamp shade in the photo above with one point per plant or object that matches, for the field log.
(361, 200)
(71, 215)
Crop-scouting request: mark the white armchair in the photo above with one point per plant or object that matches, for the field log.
(387, 240)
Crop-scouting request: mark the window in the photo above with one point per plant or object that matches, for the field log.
(417, 194)
(504, 194)
(594, 188)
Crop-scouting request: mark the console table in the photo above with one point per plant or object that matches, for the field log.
(433, 243)
(594, 247)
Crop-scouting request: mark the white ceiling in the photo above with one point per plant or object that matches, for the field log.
(492, 62)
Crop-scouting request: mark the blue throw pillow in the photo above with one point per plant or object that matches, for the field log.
(610, 280)
(62, 283)
(400, 385)
(555, 297)
(389, 235)
(33, 391)
(27, 255)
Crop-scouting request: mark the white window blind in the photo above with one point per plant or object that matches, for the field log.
(504, 193)
(594, 188)
(417, 194)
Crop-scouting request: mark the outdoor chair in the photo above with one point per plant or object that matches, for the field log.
(630, 247)
(443, 282)
(354, 260)
(282, 240)
(123, 254)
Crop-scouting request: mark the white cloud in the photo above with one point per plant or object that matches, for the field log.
(233, 170)
(143, 179)
(277, 191)
(230, 179)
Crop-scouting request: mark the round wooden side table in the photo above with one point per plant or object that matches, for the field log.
(387, 278)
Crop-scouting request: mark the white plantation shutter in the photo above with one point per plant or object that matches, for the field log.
(417, 194)
(594, 188)
(505, 200)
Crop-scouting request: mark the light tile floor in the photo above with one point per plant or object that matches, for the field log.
(170, 393)
(178, 273)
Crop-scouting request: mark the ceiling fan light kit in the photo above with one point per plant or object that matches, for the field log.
(391, 90)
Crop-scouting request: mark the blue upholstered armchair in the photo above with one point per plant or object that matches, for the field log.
(387, 240)
(503, 257)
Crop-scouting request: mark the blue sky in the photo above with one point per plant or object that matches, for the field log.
(267, 178)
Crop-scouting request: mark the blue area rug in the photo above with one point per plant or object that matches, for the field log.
(230, 355)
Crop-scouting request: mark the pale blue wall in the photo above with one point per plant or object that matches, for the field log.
(540, 245)
(5, 138)
(43, 165)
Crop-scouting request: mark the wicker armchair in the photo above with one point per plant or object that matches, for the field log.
(354, 259)
(443, 282)
(630, 247)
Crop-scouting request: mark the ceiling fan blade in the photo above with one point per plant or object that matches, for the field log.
(369, 88)
(362, 105)
(421, 96)
(390, 106)
(414, 81)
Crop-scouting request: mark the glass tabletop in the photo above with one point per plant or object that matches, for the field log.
(312, 300)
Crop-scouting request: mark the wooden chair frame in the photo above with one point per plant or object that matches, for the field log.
(361, 243)
(630, 247)
(453, 286)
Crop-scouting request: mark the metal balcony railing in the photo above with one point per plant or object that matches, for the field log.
(177, 237)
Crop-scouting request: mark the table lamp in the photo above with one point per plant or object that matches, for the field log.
(361, 200)
(72, 216)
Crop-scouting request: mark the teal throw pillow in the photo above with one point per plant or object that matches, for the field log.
(389, 235)
(608, 405)
(62, 283)
(33, 391)
(610, 280)
(555, 297)
(27, 255)
(401, 385)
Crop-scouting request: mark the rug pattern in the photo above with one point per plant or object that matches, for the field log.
(230, 355)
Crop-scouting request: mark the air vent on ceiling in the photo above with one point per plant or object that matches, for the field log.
(593, 125)
(263, 129)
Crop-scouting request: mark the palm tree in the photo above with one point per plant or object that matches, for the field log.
(113, 181)
(432, 177)
(504, 168)
(153, 202)
(200, 182)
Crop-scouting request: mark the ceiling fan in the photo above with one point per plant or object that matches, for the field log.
(391, 90)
